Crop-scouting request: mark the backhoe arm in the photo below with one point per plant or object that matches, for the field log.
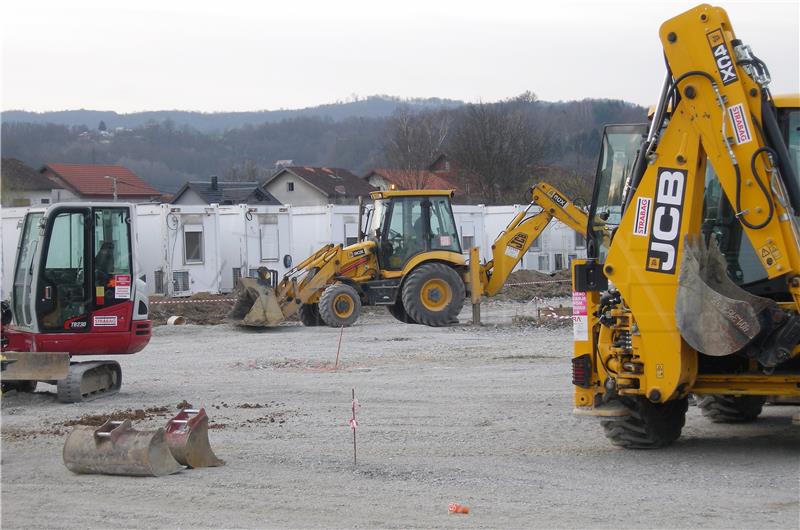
(513, 242)
(671, 275)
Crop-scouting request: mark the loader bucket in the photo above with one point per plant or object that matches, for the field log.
(115, 448)
(256, 304)
(713, 314)
(187, 438)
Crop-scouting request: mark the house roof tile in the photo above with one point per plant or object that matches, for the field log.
(89, 180)
(230, 193)
(17, 176)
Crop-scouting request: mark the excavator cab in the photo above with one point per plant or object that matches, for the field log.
(74, 264)
(619, 149)
(405, 224)
(75, 292)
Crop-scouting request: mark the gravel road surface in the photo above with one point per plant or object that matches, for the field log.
(478, 416)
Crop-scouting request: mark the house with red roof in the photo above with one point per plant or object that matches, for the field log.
(409, 179)
(94, 182)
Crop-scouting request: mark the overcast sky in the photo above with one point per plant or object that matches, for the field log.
(234, 55)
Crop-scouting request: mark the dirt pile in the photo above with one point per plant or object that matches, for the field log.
(200, 308)
(96, 420)
(535, 284)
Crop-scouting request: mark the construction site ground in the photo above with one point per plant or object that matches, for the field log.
(479, 416)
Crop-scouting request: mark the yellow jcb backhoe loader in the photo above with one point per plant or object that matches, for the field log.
(409, 260)
(692, 282)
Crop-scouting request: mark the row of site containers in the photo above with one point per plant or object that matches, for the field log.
(184, 250)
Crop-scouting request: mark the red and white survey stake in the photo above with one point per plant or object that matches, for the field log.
(353, 422)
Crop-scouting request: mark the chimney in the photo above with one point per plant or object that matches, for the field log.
(214, 183)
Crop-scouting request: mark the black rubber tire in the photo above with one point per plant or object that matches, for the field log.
(332, 295)
(399, 312)
(309, 315)
(730, 409)
(413, 291)
(649, 425)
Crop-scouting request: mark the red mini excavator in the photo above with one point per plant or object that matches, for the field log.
(75, 292)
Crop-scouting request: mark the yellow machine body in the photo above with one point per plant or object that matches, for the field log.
(711, 176)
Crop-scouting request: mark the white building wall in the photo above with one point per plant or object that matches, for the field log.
(150, 239)
(24, 198)
(379, 182)
(470, 220)
(190, 197)
(303, 194)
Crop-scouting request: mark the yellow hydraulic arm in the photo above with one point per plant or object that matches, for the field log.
(723, 118)
(513, 242)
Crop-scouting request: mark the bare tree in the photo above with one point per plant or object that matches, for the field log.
(415, 138)
(498, 146)
(248, 171)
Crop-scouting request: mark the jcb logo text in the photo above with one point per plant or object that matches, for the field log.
(662, 249)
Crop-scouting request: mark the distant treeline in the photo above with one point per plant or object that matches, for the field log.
(506, 144)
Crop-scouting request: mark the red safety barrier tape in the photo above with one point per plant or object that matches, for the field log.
(210, 300)
(536, 283)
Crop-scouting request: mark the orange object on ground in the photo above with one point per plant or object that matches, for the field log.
(454, 507)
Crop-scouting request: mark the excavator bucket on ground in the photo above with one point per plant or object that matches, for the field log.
(714, 315)
(116, 448)
(256, 304)
(187, 438)
(34, 366)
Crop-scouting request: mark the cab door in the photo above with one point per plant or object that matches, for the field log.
(63, 282)
(25, 271)
(112, 276)
(403, 233)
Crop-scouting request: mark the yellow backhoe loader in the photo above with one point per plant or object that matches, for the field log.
(409, 260)
(692, 282)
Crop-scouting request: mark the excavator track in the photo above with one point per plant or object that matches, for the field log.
(87, 381)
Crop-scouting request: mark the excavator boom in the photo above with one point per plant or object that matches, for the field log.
(511, 245)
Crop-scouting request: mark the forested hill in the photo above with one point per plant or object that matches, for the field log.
(516, 138)
(368, 107)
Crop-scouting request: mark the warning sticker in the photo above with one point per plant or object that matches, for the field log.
(770, 253)
(104, 321)
(580, 319)
(445, 241)
(122, 286)
(512, 252)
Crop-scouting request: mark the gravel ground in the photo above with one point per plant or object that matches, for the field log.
(479, 416)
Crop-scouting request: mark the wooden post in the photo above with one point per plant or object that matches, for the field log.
(476, 287)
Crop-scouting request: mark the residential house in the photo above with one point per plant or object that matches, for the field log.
(92, 182)
(22, 185)
(310, 186)
(409, 179)
(447, 168)
(215, 192)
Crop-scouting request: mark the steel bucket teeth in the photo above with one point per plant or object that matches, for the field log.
(115, 448)
(187, 438)
(256, 304)
(714, 315)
